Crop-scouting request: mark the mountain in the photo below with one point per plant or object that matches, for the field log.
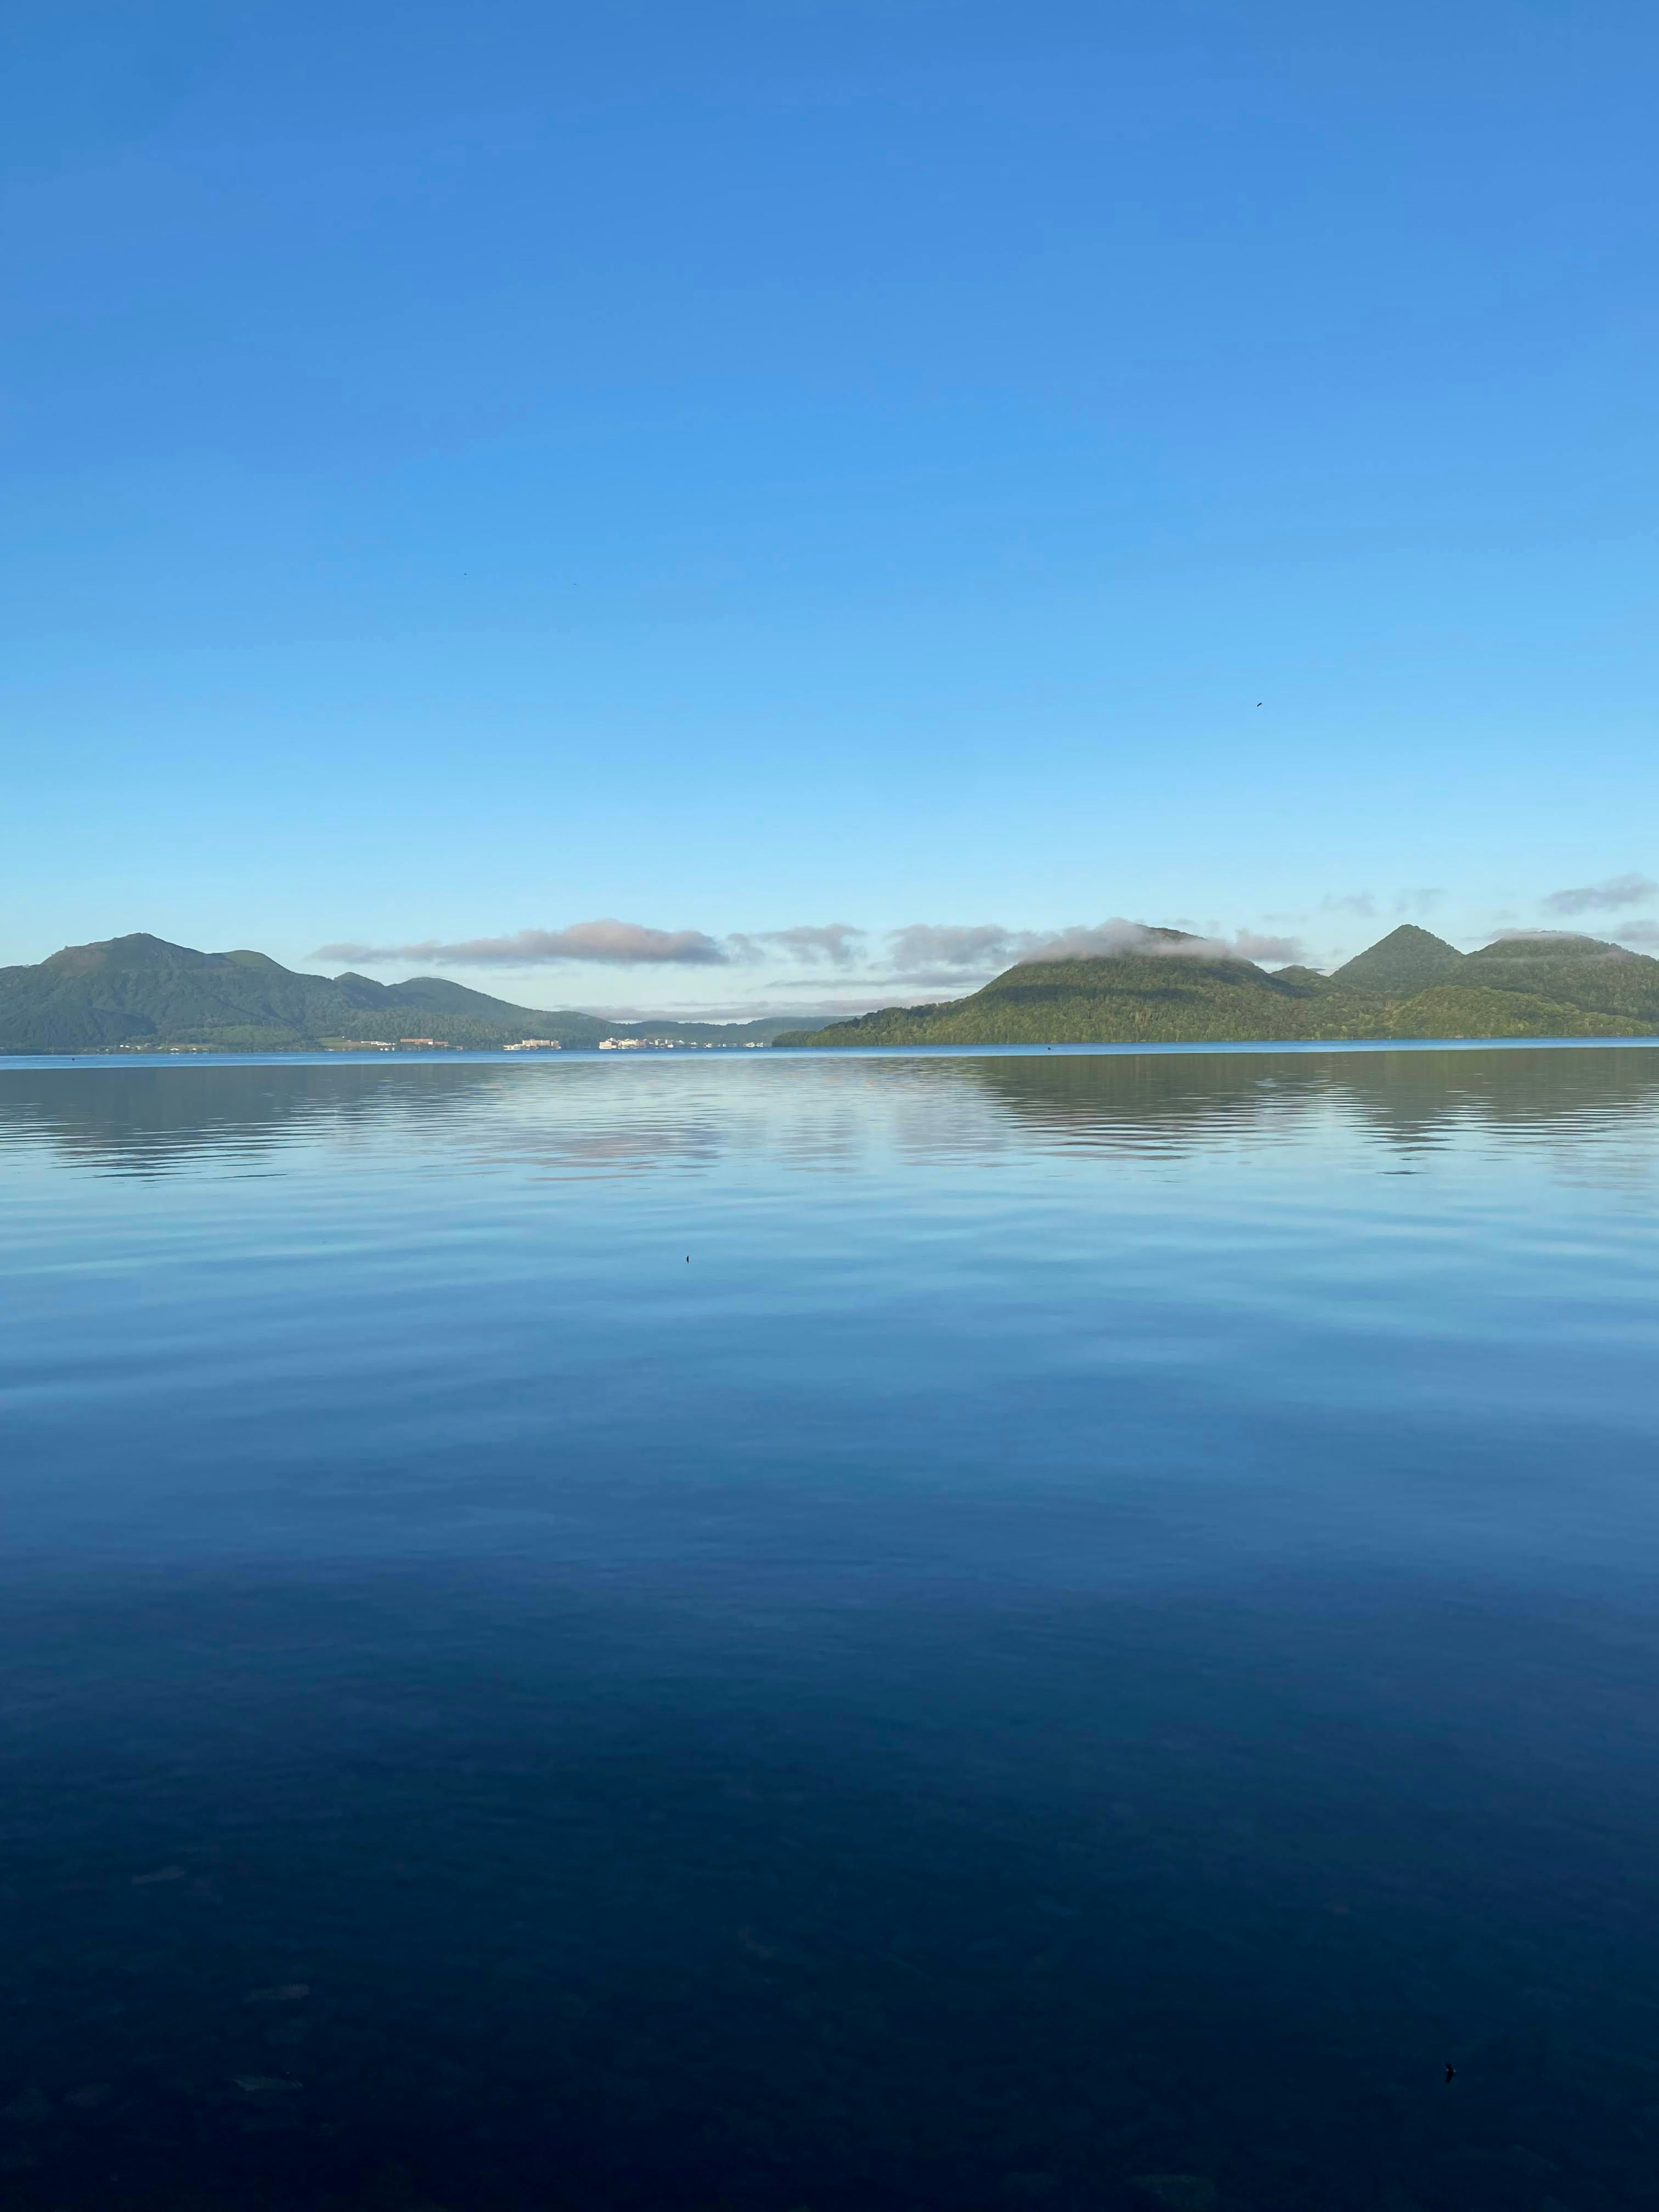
(140, 991)
(1412, 984)
(1161, 994)
(1161, 997)
(1407, 959)
(1582, 971)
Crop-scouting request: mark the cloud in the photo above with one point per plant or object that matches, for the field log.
(621, 945)
(1107, 940)
(948, 957)
(1120, 940)
(1365, 906)
(1640, 935)
(1251, 945)
(953, 946)
(946, 954)
(1591, 898)
(611, 943)
(1534, 936)
(840, 943)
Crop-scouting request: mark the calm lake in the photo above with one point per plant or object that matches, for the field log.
(1046, 1632)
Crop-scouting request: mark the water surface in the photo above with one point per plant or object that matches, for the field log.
(771, 1631)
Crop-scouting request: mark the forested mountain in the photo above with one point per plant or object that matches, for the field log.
(1412, 984)
(1407, 959)
(140, 991)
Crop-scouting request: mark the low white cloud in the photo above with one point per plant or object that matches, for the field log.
(1637, 935)
(1106, 940)
(839, 944)
(1602, 898)
(1120, 940)
(608, 943)
(953, 947)
(949, 958)
(943, 954)
(1534, 936)
(1250, 945)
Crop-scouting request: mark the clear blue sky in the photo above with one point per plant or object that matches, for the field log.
(749, 466)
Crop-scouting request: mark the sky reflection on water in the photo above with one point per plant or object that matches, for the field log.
(848, 1633)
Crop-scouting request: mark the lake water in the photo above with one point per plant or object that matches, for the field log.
(735, 1633)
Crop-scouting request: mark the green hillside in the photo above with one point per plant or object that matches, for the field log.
(1410, 984)
(1580, 971)
(1159, 1001)
(1463, 1009)
(139, 993)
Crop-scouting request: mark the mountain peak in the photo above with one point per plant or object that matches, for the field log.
(137, 950)
(1408, 933)
(1407, 959)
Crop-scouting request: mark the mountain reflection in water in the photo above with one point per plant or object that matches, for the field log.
(852, 1633)
(675, 1111)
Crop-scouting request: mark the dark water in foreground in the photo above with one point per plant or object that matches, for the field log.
(1098, 1633)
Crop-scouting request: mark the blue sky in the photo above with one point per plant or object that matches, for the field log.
(743, 470)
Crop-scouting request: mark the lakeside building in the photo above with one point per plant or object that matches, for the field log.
(535, 1044)
(676, 1044)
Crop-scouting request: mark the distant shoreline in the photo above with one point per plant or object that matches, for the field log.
(1231, 1048)
(139, 997)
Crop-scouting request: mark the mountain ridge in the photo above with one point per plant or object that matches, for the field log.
(140, 991)
(1409, 984)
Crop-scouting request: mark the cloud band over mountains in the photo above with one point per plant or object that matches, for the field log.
(949, 954)
(1119, 937)
(929, 959)
(609, 944)
(944, 954)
